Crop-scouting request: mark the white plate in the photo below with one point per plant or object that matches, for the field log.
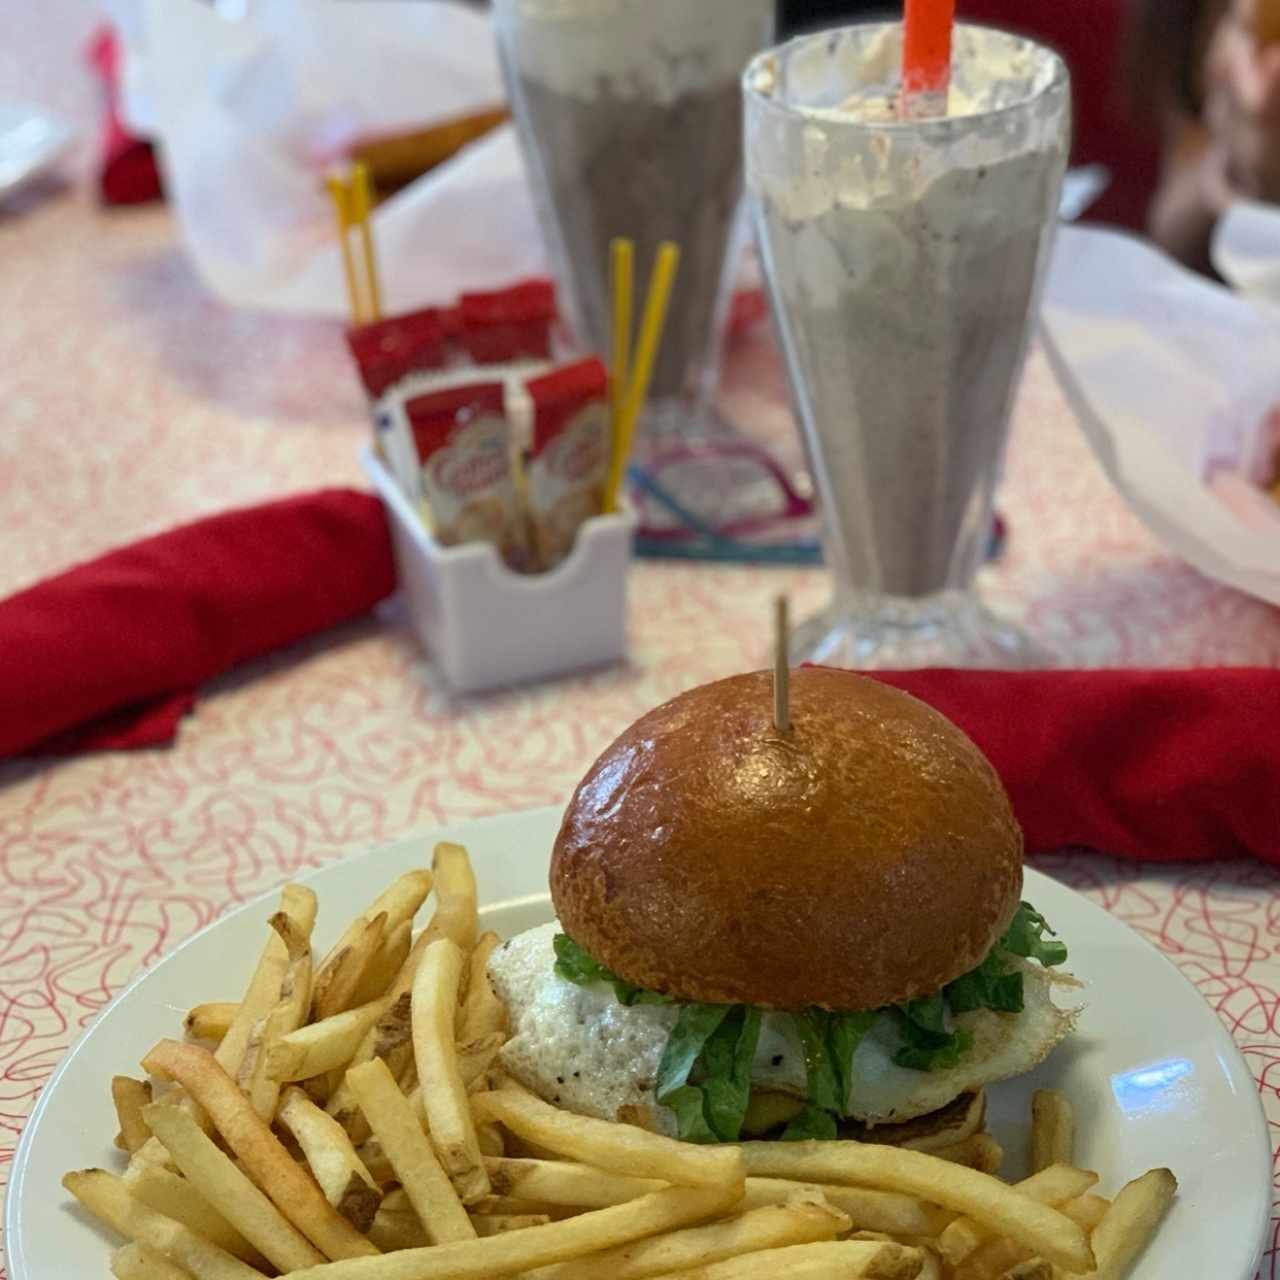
(1155, 1078)
(31, 143)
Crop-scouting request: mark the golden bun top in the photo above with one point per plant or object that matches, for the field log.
(867, 857)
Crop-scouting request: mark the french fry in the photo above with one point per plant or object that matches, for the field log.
(210, 1021)
(456, 917)
(416, 1165)
(453, 1133)
(129, 1097)
(321, 1047)
(998, 1206)
(108, 1199)
(515, 1252)
(563, 1182)
(395, 1227)
(930, 1265)
(1032, 1269)
(375, 1159)
(1087, 1210)
(398, 904)
(381, 971)
(1129, 1224)
(1052, 1129)
(617, 1148)
(994, 1257)
(295, 1194)
(137, 1262)
(482, 1013)
(978, 1151)
(826, 1260)
(494, 1224)
(477, 1056)
(489, 1140)
(1052, 1186)
(513, 1206)
(172, 1195)
(346, 1182)
(802, 1221)
(288, 1014)
(336, 986)
(866, 1208)
(216, 1177)
(390, 1037)
(299, 903)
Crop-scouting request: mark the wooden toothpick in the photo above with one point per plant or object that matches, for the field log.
(781, 666)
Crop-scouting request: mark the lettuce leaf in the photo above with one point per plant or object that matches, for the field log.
(1025, 937)
(576, 966)
(726, 1072)
(719, 1041)
(695, 1025)
(990, 986)
(824, 1082)
(691, 1122)
(811, 1123)
(927, 1043)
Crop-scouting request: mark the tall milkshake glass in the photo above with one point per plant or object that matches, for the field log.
(630, 118)
(904, 260)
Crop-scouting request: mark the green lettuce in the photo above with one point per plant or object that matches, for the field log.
(704, 1076)
(718, 1041)
(812, 1122)
(576, 966)
(1025, 937)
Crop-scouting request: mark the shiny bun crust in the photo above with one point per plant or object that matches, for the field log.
(866, 858)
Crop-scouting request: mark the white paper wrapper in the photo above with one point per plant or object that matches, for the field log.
(1174, 380)
(1246, 249)
(251, 102)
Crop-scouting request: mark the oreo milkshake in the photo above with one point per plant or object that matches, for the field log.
(630, 117)
(904, 261)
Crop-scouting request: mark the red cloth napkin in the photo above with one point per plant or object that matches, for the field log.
(127, 172)
(1147, 764)
(110, 653)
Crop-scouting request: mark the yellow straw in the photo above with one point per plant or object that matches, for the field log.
(655, 317)
(361, 207)
(622, 264)
(342, 215)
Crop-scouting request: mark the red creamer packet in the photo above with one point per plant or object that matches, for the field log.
(386, 350)
(508, 324)
(463, 440)
(569, 463)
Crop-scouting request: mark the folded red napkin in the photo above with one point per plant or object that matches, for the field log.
(127, 171)
(1148, 764)
(110, 653)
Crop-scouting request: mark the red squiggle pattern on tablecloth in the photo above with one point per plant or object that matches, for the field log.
(130, 400)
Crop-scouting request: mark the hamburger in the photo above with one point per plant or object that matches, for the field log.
(802, 934)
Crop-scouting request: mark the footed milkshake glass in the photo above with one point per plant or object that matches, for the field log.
(904, 262)
(629, 114)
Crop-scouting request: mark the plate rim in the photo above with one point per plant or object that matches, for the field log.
(13, 1250)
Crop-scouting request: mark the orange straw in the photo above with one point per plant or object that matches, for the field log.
(926, 57)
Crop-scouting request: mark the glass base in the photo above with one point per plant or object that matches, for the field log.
(950, 629)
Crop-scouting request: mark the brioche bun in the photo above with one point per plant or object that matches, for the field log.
(867, 857)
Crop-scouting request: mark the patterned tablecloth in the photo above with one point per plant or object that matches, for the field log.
(130, 400)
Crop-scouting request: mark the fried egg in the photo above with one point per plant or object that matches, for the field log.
(580, 1049)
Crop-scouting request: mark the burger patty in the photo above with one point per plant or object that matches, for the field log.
(578, 1047)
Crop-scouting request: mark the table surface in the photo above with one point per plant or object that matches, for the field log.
(131, 400)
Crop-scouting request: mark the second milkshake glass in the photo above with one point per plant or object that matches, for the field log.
(630, 118)
(904, 261)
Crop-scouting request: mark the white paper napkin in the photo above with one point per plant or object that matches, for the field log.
(1174, 379)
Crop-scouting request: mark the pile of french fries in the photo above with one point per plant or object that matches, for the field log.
(347, 1120)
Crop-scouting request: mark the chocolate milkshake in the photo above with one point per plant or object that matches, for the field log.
(630, 115)
(904, 262)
